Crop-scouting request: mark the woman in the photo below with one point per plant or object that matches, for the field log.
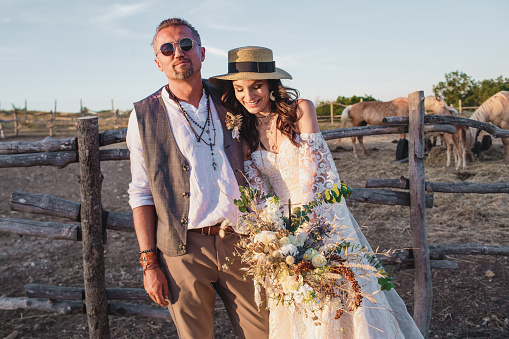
(283, 145)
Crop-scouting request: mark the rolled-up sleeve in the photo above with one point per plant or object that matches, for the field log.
(139, 189)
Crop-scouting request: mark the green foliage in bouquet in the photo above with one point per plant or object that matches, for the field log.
(292, 253)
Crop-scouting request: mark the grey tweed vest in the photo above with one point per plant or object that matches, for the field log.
(168, 170)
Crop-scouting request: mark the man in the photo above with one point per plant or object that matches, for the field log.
(184, 173)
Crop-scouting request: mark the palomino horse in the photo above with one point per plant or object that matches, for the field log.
(372, 112)
(460, 149)
(496, 111)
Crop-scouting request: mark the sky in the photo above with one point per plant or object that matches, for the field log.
(98, 52)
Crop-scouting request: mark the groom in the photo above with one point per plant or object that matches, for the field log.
(184, 173)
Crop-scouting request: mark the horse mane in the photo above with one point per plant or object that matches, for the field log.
(496, 103)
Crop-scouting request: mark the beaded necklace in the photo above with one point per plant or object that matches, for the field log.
(206, 126)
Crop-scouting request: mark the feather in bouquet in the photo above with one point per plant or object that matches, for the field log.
(299, 260)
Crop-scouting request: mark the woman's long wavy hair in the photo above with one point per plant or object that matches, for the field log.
(285, 106)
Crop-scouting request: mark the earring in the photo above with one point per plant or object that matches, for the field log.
(271, 96)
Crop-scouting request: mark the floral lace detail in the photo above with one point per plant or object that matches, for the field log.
(254, 177)
(317, 170)
(299, 173)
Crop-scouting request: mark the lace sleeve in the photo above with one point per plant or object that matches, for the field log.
(254, 177)
(317, 171)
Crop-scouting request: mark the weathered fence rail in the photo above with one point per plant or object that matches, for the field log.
(495, 131)
(460, 187)
(60, 153)
(65, 307)
(437, 253)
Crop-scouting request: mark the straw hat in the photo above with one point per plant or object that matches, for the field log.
(250, 63)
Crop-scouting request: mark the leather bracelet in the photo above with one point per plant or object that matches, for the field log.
(149, 261)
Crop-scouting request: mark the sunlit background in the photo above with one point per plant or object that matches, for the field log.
(97, 52)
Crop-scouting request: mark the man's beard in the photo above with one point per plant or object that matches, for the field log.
(185, 74)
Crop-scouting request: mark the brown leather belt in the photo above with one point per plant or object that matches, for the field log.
(211, 230)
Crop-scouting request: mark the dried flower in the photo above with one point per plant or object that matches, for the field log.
(296, 262)
(234, 123)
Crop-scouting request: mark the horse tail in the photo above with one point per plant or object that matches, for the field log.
(472, 132)
(344, 116)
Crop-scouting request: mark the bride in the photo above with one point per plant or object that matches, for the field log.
(285, 152)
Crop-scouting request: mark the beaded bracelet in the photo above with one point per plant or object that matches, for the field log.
(150, 250)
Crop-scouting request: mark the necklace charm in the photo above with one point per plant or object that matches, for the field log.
(207, 126)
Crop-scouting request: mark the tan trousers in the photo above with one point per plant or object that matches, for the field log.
(195, 277)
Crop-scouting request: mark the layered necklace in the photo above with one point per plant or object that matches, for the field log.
(207, 126)
(267, 120)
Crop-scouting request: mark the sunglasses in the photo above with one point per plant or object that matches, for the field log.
(185, 45)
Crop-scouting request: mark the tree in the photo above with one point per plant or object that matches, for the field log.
(457, 86)
(355, 99)
(487, 88)
(324, 108)
(460, 86)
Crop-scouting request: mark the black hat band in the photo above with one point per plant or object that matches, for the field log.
(253, 67)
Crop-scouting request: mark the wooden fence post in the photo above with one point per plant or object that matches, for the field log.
(51, 123)
(331, 113)
(93, 231)
(16, 124)
(423, 293)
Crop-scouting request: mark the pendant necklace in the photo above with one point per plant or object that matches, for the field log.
(269, 132)
(274, 147)
(206, 126)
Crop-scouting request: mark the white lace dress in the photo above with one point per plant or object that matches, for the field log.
(299, 173)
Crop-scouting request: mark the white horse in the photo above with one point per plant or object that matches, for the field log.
(496, 111)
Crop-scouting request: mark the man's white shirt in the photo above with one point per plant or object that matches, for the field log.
(211, 191)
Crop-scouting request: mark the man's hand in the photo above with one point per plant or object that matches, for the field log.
(156, 286)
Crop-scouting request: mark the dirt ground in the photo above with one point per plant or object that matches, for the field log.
(469, 302)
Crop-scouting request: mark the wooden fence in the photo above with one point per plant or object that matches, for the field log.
(461, 108)
(332, 116)
(17, 121)
(95, 299)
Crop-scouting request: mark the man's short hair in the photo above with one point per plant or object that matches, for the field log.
(177, 22)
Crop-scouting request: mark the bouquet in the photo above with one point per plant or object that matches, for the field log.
(299, 260)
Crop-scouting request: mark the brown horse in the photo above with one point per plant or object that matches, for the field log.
(372, 112)
(496, 111)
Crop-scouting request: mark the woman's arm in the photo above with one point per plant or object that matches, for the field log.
(308, 122)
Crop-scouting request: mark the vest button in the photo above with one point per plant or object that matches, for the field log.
(185, 194)
(183, 221)
(182, 247)
(185, 168)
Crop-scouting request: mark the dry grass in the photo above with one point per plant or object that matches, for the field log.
(463, 298)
